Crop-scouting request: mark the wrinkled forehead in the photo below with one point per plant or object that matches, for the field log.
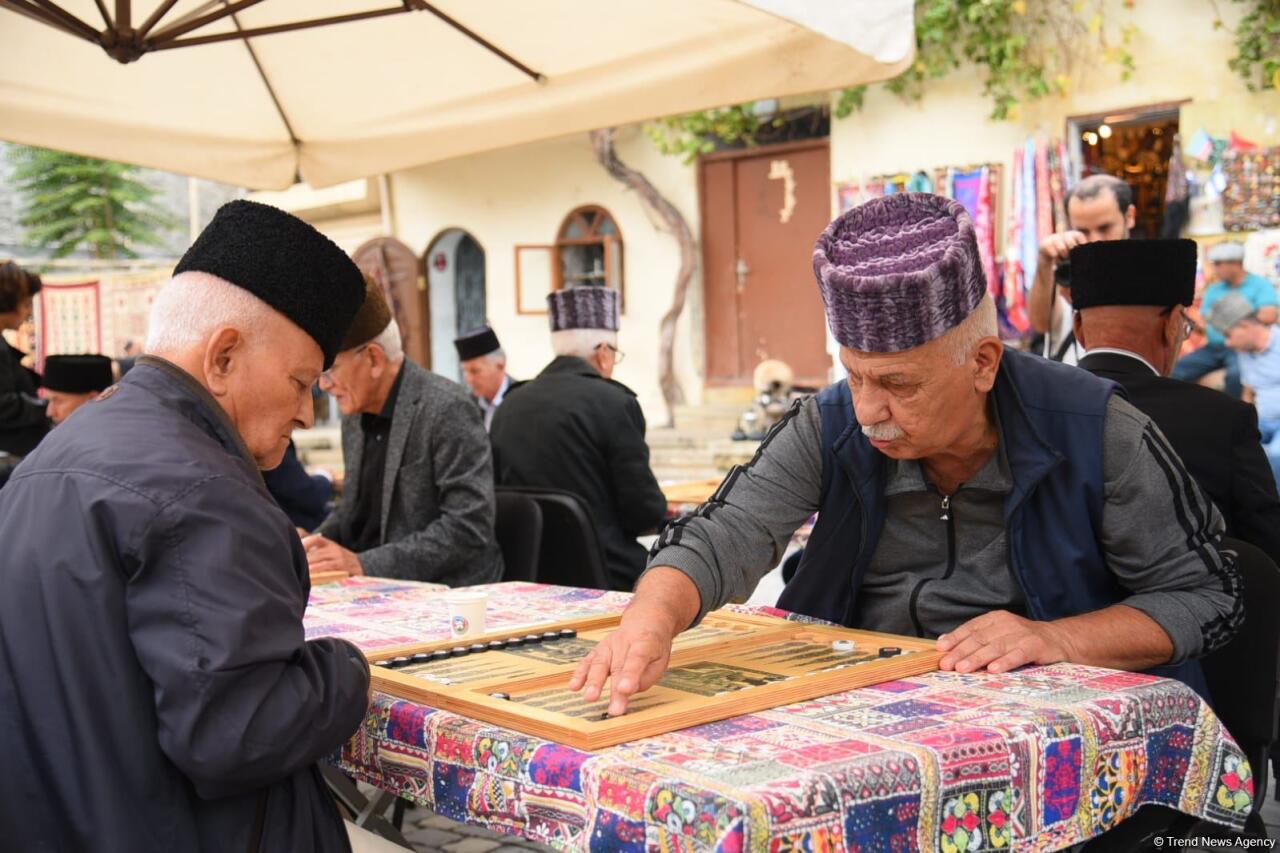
(915, 362)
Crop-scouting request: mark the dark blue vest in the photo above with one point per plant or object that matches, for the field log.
(1051, 422)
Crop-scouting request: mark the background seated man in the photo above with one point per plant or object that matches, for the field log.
(1235, 317)
(575, 429)
(1015, 508)
(418, 490)
(484, 369)
(23, 416)
(70, 381)
(1229, 276)
(1131, 299)
(303, 497)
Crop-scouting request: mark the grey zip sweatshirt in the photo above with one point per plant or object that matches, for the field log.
(1171, 565)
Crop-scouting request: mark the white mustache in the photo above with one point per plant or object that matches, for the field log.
(883, 432)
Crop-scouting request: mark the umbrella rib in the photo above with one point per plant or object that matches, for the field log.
(253, 54)
(276, 28)
(71, 21)
(171, 32)
(35, 13)
(106, 18)
(537, 76)
(150, 23)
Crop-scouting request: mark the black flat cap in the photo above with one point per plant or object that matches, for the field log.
(284, 262)
(1133, 272)
(475, 344)
(78, 374)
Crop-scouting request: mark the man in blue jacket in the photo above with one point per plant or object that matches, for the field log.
(156, 690)
(1016, 509)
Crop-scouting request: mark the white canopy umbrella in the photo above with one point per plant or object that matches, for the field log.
(262, 93)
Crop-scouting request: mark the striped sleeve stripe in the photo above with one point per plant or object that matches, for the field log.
(675, 530)
(1187, 499)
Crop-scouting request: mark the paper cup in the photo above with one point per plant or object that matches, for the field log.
(466, 612)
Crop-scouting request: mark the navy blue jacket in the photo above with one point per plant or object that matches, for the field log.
(303, 497)
(1052, 421)
(156, 690)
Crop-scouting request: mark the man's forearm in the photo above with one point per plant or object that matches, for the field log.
(1043, 298)
(1118, 637)
(665, 599)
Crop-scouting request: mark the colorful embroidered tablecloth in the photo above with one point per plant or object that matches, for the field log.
(1038, 759)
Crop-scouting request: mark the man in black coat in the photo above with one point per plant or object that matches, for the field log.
(156, 689)
(575, 429)
(1130, 298)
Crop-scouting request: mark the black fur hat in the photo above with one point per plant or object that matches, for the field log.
(1133, 272)
(77, 374)
(284, 262)
(475, 344)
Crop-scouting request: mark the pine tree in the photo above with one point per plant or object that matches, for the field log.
(71, 202)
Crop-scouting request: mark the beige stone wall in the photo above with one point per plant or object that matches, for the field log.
(520, 196)
(1178, 56)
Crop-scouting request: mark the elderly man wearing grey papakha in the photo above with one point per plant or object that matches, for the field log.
(1016, 509)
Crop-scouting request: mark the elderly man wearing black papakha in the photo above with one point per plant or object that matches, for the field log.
(1014, 508)
(1131, 298)
(156, 690)
(70, 381)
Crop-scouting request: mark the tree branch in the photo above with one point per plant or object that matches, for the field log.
(602, 143)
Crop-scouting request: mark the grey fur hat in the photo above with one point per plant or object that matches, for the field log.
(583, 308)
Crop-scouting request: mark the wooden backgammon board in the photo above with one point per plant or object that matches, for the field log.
(728, 665)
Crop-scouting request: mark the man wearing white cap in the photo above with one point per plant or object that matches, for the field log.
(1257, 347)
(1229, 277)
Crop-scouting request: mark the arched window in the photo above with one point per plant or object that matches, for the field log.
(589, 251)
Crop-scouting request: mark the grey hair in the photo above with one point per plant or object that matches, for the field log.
(496, 355)
(581, 342)
(982, 322)
(389, 341)
(192, 305)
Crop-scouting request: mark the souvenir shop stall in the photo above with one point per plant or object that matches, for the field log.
(1187, 182)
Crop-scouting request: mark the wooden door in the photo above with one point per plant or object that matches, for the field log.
(394, 266)
(762, 211)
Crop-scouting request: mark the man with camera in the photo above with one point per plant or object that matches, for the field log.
(1100, 207)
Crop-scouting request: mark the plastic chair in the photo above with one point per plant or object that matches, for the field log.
(518, 528)
(571, 554)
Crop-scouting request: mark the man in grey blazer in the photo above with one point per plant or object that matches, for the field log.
(418, 496)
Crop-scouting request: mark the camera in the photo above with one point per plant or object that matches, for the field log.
(1062, 273)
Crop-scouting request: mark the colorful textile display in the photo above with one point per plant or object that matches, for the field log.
(1038, 759)
(976, 190)
(126, 309)
(68, 319)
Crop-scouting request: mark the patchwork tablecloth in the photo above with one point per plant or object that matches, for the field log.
(1036, 760)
